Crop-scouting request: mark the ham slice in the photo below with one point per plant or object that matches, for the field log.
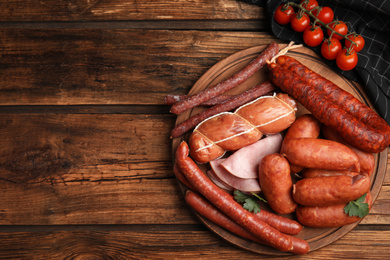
(245, 161)
(244, 185)
(218, 182)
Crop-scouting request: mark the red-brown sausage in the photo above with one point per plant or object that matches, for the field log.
(209, 211)
(367, 160)
(229, 83)
(276, 183)
(227, 105)
(329, 216)
(321, 154)
(223, 201)
(305, 126)
(283, 224)
(332, 190)
(334, 107)
(180, 176)
(312, 173)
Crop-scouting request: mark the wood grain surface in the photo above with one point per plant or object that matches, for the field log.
(85, 153)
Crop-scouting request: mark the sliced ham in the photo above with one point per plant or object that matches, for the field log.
(218, 181)
(245, 162)
(245, 185)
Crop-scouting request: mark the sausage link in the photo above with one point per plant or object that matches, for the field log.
(227, 105)
(367, 160)
(364, 130)
(203, 207)
(332, 190)
(305, 126)
(276, 183)
(235, 80)
(283, 224)
(180, 176)
(312, 173)
(328, 216)
(223, 201)
(321, 154)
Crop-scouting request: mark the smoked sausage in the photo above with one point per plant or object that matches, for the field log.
(321, 154)
(305, 126)
(276, 183)
(235, 80)
(328, 216)
(367, 160)
(224, 202)
(332, 190)
(312, 173)
(334, 107)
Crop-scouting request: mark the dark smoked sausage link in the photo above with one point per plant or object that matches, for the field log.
(172, 99)
(227, 105)
(363, 136)
(224, 201)
(229, 83)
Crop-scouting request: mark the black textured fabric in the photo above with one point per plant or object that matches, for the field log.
(371, 19)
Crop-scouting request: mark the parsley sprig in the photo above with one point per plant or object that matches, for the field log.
(249, 202)
(357, 207)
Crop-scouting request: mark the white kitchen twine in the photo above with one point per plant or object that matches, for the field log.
(253, 127)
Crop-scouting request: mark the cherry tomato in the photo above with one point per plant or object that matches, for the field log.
(324, 14)
(346, 60)
(299, 24)
(358, 39)
(313, 36)
(283, 14)
(338, 26)
(309, 4)
(330, 48)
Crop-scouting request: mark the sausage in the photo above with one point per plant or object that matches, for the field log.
(321, 154)
(328, 216)
(209, 211)
(334, 107)
(180, 176)
(172, 99)
(305, 126)
(332, 190)
(283, 224)
(367, 160)
(276, 183)
(229, 131)
(227, 105)
(312, 173)
(233, 81)
(224, 202)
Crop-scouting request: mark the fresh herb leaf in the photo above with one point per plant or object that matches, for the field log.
(240, 196)
(249, 202)
(357, 207)
(251, 205)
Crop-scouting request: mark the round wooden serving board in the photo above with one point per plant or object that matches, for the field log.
(316, 237)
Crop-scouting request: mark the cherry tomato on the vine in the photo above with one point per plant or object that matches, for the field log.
(338, 26)
(358, 39)
(346, 60)
(300, 23)
(313, 36)
(283, 14)
(330, 48)
(324, 14)
(310, 4)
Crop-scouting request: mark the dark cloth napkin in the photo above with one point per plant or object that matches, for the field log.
(371, 19)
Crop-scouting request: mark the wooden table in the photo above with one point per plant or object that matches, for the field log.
(85, 162)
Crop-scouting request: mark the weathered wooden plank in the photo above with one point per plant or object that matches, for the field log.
(171, 245)
(102, 66)
(86, 10)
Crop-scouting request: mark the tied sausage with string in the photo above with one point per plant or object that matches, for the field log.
(230, 131)
(358, 124)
